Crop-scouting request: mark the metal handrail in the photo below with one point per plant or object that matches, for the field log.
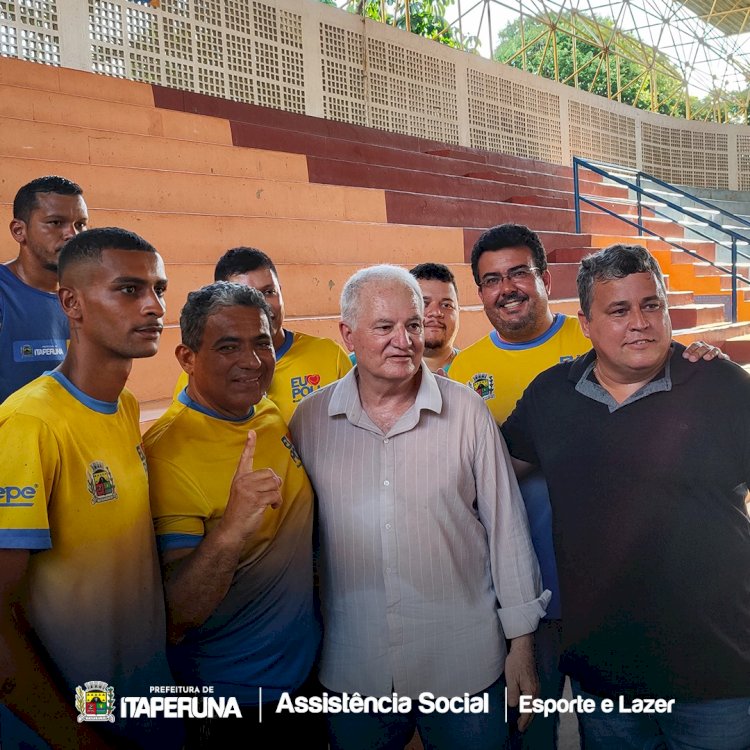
(640, 191)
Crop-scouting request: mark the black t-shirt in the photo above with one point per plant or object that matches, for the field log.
(651, 531)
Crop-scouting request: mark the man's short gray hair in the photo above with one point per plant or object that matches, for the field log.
(204, 302)
(384, 274)
(614, 262)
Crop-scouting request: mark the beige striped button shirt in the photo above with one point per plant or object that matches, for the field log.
(424, 541)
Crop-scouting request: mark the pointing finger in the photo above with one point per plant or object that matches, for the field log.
(248, 453)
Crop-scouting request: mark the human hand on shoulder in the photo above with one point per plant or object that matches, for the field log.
(699, 350)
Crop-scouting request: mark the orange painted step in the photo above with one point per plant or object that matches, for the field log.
(738, 348)
(64, 143)
(309, 289)
(80, 83)
(52, 107)
(683, 276)
(216, 195)
(692, 315)
(713, 334)
(195, 238)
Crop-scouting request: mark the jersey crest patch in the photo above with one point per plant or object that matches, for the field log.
(484, 384)
(101, 483)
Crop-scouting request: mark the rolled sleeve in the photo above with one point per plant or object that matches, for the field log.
(515, 570)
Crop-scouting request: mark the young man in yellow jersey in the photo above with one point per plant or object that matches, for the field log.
(233, 511)
(87, 605)
(304, 363)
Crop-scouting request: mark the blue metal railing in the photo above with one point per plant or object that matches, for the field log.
(613, 173)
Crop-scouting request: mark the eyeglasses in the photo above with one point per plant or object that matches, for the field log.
(515, 276)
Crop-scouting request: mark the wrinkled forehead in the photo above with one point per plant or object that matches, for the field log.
(393, 295)
(633, 287)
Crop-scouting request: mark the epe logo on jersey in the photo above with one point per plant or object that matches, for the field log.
(100, 482)
(95, 701)
(483, 384)
(304, 385)
(15, 497)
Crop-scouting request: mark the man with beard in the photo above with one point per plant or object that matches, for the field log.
(34, 331)
(509, 265)
(440, 295)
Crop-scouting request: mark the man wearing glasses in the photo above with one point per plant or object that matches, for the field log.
(510, 269)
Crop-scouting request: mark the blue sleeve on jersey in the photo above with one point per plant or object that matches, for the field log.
(167, 542)
(25, 539)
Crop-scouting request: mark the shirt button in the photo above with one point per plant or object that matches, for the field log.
(387, 526)
(387, 483)
(386, 441)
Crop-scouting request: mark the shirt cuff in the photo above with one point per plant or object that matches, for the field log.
(523, 619)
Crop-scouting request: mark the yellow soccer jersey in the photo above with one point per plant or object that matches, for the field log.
(500, 371)
(263, 633)
(74, 489)
(193, 456)
(303, 364)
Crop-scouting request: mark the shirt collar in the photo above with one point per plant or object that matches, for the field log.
(286, 345)
(184, 399)
(673, 372)
(345, 401)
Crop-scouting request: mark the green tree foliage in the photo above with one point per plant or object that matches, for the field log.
(425, 18)
(590, 54)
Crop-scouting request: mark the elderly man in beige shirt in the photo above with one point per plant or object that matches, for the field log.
(426, 565)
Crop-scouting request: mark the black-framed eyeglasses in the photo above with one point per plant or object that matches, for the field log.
(515, 276)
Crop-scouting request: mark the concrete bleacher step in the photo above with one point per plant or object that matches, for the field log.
(308, 288)
(83, 110)
(294, 124)
(564, 182)
(738, 348)
(552, 240)
(696, 315)
(339, 172)
(717, 334)
(437, 210)
(263, 136)
(65, 143)
(134, 189)
(196, 238)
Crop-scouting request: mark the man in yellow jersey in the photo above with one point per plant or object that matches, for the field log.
(233, 512)
(440, 296)
(509, 265)
(82, 619)
(304, 363)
